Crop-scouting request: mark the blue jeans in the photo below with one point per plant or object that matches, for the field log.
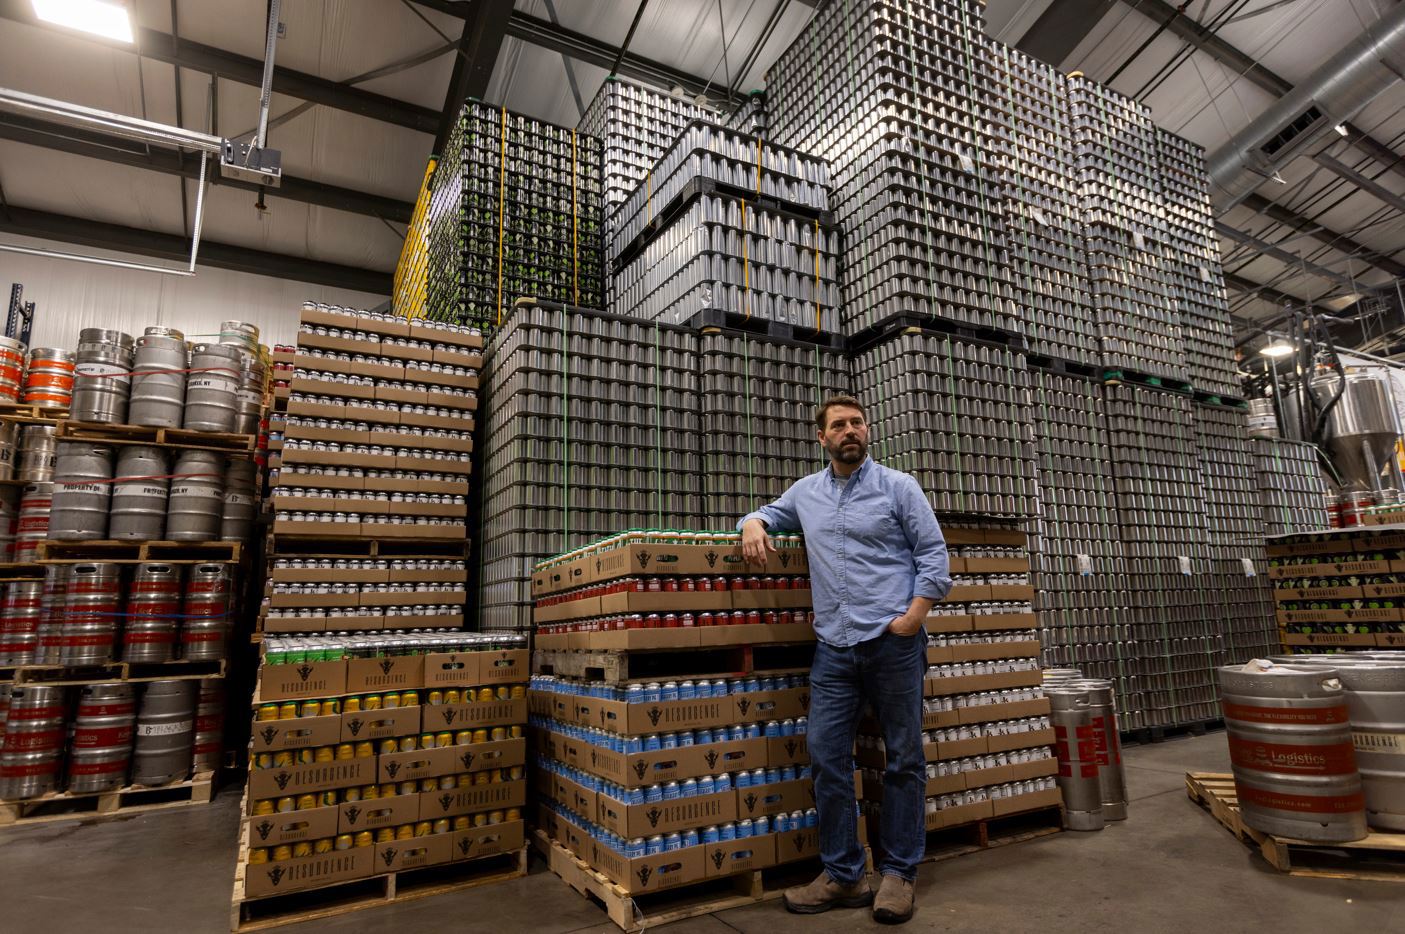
(887, 672)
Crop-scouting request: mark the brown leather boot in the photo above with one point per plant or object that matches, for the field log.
(824, 893)
(894, 902)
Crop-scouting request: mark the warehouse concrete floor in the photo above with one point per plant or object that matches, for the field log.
(1170, 868)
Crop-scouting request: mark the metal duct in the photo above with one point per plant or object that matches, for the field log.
(1332, 94)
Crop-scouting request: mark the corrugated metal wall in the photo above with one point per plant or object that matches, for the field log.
(70, 296)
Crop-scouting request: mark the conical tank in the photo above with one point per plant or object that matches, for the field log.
(1362, 428)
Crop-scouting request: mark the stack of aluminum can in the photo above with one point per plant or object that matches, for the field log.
(1193, 269)
(1076, 552)
(1163, 515)
(955, 415)
(592, 423)
(1292, 493)
(636, 124)
(514, 211)
(1238, 591)
(1043, 220)
(758, 401)
(902, 101)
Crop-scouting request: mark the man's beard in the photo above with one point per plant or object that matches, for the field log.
(848, 455)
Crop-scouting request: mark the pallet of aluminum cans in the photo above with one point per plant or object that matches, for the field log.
(515, 210)
(370, 478)
(379, 754)
(987, 735)
(592, 422)
(1292, 494)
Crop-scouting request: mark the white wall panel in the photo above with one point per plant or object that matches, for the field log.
(70, 296)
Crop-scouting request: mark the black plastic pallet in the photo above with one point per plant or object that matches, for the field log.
(878, 333)
(1064, 367)
(1159, 734)
(1220, 401)
(777, 331)
(1114, 375)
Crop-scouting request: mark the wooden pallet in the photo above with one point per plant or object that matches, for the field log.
(340, 898)
(1379, 857)
(177, 670)
(10, 572)
(30, 414)
(619, 666)
(993, 832)
(51, 552)
(221, 442)
(123, 802)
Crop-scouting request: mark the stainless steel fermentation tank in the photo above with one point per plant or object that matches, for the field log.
(1361, 429)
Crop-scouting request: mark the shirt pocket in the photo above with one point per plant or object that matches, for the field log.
(874, 524)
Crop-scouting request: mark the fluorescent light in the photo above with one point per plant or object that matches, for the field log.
(107, 18)
(1276, 349)
(1340, 128)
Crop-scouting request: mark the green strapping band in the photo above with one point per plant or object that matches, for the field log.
(565, 432)
(750, 465)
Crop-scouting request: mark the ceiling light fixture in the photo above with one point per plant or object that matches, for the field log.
(107, 18)
(1276, 349)
(1341, 129)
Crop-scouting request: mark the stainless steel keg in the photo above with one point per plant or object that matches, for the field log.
(206, 624)
(32, 751)
(153, 613)
(251, 382)
(20, 612)
(33, 525)
(101, 749)
(12, 357)
(140, 487)
(37, 450)
(1076, 744)
(196, 503)
(212, 391)
(240, 500)
(209, 726)
(92, 610)
(82, 491)
(158, 379)
(48, 384)
(165, 733)
(102, 376)
(9, 449)
(9, 522)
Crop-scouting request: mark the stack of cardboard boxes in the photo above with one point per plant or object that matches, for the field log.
(987, 735)
(666, 781)
(1340, 588)
(377, 756)
(369, 474)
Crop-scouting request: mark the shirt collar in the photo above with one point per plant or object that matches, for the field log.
(853, 476)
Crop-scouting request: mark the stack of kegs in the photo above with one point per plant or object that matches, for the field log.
(1089, 749)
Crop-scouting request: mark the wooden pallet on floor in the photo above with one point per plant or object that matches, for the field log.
(175, 670)
(1379, 857)
(992, 832)
(51, 552)
(218, 441)
(133, 799)
(339, 898)
(617, 666)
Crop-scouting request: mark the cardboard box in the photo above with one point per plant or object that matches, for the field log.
(668, 716)
(299, 733)
(968, 593)
(1345, 566)
(487, 841)
(749, 634)
(575, 796)
(463, 422)
(1390, 615)
(423, 597)
(642, 820)
(989, 713)
(436, 532)
(988, 651)
(284, 502)
(961, 814)
(349, 412)
(995, 622)
(1011, 592)
(292, 625)
(459, 357)
(980, 778)
(575, 839)
(283, 526)
(413, 854)
(1021, 740)
(775, 797)
(295, 827)
(440, 717)
(302, 681)
(665, 765)
(437, 337)
(651, 873)
(339, 459)
(946, 623)
(734, 856)
(417, 764)
(645, 560)
(453, 802)
(284, 601)
(800, 844)
(957, 749)
(940, 687)
(293, 480)
(387, 673)
(498, 754)
(332, 576)
(319, 387)
(1325, 639)
(504, 666)
(374, 813)
(1282, 594)
(1029, 802)
(787, 750)
(994, 565)
(303, 779)
(418, 354)
(424, 377)
(378, 724)
(452, 669)
(307, 872)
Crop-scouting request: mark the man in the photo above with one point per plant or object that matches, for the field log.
(877, 564)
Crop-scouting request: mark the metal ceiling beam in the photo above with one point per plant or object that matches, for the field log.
(484, 28)
(1246, 66)
(85, 232)
(1284, 256)
(1261, 205)
(183, 53)
(548, 35)
(1369, 185)
(96, 146)
(1267, 293)
(1061, 28)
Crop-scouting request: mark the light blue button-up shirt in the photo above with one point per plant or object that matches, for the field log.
(873, 544)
